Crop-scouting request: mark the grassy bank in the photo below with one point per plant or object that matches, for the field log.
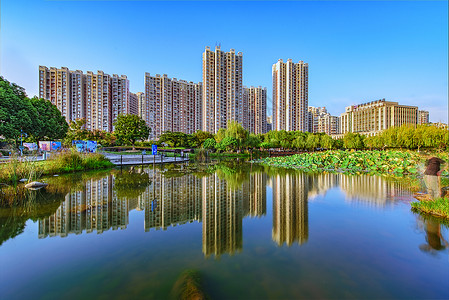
(438, 207)
(375, 162)
(65, 162)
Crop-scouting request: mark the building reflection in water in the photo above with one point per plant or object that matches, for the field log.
(219, 200)
(290, 211)
(95, 207)
(372, 190)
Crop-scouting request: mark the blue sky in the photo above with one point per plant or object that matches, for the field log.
(357, 51)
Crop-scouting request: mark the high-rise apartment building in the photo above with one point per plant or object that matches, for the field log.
(322, 121)
(119, 97)
(171, 105)
(423, 117)
(78, 93)
(290, 95)
(54, 85)
(99, 98)
(98, 101)
(133, 104)
(222, 89)
(255, 105)
(142, 109)
(373, 117)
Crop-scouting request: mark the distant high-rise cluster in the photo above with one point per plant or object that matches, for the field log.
(169, 104)
(290, 95)
(98, 98)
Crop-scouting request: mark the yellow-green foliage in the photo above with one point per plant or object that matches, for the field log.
(438, 207)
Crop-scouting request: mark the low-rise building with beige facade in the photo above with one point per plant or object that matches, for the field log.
(373, 117)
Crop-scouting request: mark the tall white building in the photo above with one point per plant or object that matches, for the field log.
(290, 95)
(255, 107)
(171, 105)
(222, 89)
(99, 98)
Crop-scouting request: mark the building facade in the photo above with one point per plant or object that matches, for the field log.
(423, 117)
(171, 105)
(97, 97)
(290, 95)
(134, 104)
(322, 121)
(373, 117)
(222, 89)
(255, 105)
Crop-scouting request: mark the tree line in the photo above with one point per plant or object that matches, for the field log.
(37, 119)
(236, 138)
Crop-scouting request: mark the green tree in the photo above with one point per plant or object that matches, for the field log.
(252, 141)
(174, 139)
(313, 141)
(131, 128)
(300, 140)
(16, 112)
(202, 136)
(236, 131)
(48, 123)
(327, 142)
(229, 143)
(221, 134)
(77, 131)
(210, 143)
(353, 141)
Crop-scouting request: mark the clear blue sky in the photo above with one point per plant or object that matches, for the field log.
(357, 51)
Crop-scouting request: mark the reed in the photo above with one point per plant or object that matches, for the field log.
(65, 162)
(437, 207)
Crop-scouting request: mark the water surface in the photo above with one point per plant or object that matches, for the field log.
(251, 232)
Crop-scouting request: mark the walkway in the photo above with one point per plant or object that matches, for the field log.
(139, 159)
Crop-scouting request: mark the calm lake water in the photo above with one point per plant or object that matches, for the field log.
(252, 232)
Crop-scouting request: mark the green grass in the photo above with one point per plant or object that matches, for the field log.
(438, 207)
(65, 162)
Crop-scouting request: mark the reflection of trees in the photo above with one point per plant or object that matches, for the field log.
(433, 229)
(33, 205)
(131, 184)
(11, 227)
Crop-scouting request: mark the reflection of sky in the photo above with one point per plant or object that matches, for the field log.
(352, 250)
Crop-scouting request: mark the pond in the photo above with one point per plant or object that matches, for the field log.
(252, 232)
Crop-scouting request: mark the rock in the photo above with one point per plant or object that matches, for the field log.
(35, 185)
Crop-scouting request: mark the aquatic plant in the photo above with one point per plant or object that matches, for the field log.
(437, 207)
(377, 162)
(188, 286)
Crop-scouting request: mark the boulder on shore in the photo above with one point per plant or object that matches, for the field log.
(35, 185)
